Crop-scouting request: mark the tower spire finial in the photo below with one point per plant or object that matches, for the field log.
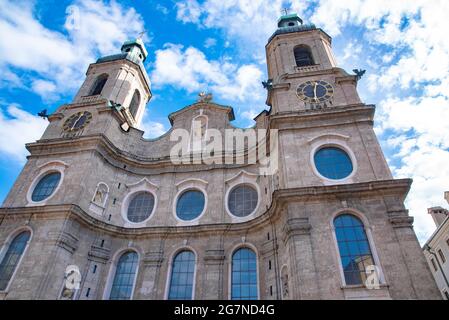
(140, 35)
(285, 11)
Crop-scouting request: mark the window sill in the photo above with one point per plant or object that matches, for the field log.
(361, 292)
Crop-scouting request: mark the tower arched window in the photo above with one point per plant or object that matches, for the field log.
(11, 259)
(99, 84)
(135, 102)
(244, 275)
(182, 274)
(124, 277)
(354, 248)
(303, 56)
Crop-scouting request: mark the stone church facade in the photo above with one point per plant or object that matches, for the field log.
(99, 212)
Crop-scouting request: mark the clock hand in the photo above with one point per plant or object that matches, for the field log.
(314, 90)
(76, 122)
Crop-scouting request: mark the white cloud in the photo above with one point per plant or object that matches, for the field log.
(46, 89)
(152, 129)
(94, 28)
(188, 11)
(18, 127)
(189, 69)
(210, 42)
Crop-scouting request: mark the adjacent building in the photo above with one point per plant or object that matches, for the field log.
(436, 248)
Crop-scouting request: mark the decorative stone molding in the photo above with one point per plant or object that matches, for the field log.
(214, 256)
(268, 247)
(99, 254)
(153, 258)
(65, 241)
(401, 221)
(296, 227)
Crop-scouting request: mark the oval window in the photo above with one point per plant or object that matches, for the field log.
(140, 207)
(333, 163)
(46, 186)
(242, 200)
(190, 205)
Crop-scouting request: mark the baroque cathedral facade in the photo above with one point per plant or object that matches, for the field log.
(99, 212)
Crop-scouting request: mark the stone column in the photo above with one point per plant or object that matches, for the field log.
(302, 263)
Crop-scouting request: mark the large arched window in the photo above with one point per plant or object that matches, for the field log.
(244, 275)
(12, 257)
(354, 248)
(99, 84)
(135, 102)
(303, 56)
(182, 273)
(125, 276)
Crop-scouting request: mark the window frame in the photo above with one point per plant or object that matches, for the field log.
(170, 268)
(309, 51)
(242, 185)
(184, 186)
(137, 107)
(48, 168)
(243, 177)
(113, 269)
(96, 82)
(178, 197)
(5, 247)
(143, 185)
(231, 254)
(333, 144)
(367, 227)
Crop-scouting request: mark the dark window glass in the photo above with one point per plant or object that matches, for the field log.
(12, 257)
(46, 186)
(135, 102)
(333, 163)
(354, 248)
(190, 205)
(244, 275)
(181, 280)
(99, 85)
(125, 273)
(434, 265)
(442, 257)
(303, 57)
(242, 200)
(140, 207)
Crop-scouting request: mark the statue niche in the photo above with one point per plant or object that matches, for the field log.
(98, 202)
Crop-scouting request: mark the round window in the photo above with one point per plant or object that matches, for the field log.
(242, 200)
(333, 163)
(190, 205)
(46, 186)
(140, 207)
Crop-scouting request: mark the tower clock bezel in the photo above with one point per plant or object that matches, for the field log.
(69, 124)
(325, 93)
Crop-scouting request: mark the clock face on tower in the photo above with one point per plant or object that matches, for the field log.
(77, 121)
(315, 91)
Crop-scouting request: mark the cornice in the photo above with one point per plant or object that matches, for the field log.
(281, 197)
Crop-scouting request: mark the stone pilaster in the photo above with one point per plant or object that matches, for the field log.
(302, 264)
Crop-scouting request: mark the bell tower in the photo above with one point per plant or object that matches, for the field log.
(301, 54)
(121, 79)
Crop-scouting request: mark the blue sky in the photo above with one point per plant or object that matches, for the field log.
(218, 46)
